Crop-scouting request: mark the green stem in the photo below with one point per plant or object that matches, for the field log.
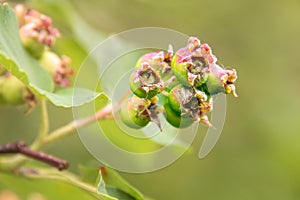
(44, 130)
(70, 178)
(45, 119)
(74, 125)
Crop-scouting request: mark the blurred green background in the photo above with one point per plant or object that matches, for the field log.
(258, 154)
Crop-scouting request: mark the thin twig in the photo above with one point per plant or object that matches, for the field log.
(10, 148)
(22, 148)
(104, 113)
(45, 119)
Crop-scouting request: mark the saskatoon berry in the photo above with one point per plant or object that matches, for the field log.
(32, 46)
(175, 119)
(13, 91)
(219, 80)
(182, 98)
(2, 80)
(135, 113)
(189, 62)
(57, 67)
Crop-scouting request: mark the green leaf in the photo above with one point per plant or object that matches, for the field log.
(116, 193)
(101, 189)
(107, 188)
(119, 193)
(16, 60)
(73, 97)
(114, 180)
(88, 174)
(108, 184)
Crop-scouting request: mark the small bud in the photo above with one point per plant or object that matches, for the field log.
(57, 67)
(145, 82)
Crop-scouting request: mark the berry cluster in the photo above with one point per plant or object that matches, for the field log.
(37, 36)
(35, 29)
(180, 85)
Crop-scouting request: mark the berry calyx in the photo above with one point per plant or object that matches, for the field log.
(159, 61)
(189, 62)
(180, 96)
(145, 82)
(187, 101)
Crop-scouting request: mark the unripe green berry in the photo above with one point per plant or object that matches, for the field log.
(175, 119)
(181, 98)
(13, 91)
(135, 113)
(57, 67)
(220, 80)
(50, 62)
(179, 70)
(214, 86)
(2, 80)
(2, 70)
(35, 48)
